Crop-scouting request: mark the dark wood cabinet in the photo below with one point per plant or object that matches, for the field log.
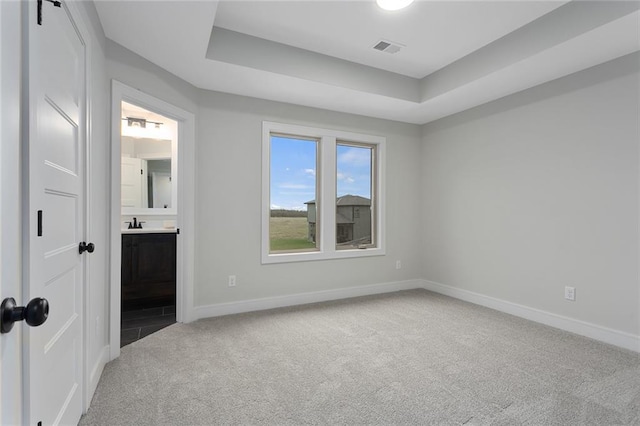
(148, 270)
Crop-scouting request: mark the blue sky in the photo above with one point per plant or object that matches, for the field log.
(293, 172)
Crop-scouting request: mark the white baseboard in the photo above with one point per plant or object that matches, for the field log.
(96, 372)
(583, 328)
(299, 299)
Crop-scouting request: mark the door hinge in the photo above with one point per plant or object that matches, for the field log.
(56, 3)
(141, 172)
(39, 223)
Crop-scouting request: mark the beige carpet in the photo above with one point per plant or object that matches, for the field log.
(411, 357)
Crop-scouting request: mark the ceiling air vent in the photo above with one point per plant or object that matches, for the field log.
(388, 46)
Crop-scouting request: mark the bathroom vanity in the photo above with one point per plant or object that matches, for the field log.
(148, 268)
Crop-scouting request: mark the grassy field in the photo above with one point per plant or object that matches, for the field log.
(289, 233)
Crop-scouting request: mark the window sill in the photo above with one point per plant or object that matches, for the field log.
(320, 255)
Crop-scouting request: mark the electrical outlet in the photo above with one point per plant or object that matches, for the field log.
(232, 280)
(398, 264)
(570, 293)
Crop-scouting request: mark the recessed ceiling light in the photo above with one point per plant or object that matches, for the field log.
(393, 4)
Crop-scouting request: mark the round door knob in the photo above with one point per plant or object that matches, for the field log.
(35, 313)
(86, 247)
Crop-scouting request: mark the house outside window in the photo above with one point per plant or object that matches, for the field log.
(355, 187)
(352, 229)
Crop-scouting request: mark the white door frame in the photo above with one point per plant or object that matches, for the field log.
(87, 386)
(11, 51)
(185, 209)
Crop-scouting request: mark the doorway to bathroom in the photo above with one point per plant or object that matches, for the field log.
(149, 179)
(151, 217)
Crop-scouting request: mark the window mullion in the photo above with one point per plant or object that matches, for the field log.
(328, 193)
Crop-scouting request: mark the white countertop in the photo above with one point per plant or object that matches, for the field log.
(150, 231)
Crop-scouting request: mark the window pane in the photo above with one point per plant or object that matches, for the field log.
(354, 180)
(292, 222)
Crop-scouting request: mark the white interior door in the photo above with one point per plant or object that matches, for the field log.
(133, 186)
(57, 97)
(161, 189)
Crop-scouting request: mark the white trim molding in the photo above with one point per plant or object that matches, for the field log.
(185, 245)
(96, 370)
(242, 306)
(583, 328)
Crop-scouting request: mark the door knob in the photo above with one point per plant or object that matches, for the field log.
(86, 247)
(35, 313)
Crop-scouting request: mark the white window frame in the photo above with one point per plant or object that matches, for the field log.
(326, 190)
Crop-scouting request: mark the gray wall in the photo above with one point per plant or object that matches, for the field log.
(538, 191)
(228, 155)
(135, 71)
(228, 189)
(513, 200)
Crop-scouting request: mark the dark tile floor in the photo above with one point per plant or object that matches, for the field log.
(137, 324)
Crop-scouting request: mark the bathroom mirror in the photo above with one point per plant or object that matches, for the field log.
(149, 162)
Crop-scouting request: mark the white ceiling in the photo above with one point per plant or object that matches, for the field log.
(458, 54)
(349, 29)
